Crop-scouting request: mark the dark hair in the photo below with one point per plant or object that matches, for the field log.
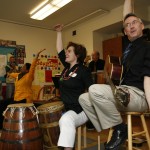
(28, 65)
(79, 50)
(131, 15)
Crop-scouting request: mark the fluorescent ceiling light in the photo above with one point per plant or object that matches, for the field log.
(46, 8)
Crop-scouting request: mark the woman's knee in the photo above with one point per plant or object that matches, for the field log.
(67, 119)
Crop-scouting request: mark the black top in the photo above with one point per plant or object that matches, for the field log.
(99, 65)
(74, 86)
(137, 63)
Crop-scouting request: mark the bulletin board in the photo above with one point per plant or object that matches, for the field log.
(6, 51)
(47, 67)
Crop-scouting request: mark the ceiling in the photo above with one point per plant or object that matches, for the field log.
(17, 11)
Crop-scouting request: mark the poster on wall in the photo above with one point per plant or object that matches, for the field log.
(48, 75)
(20, 54)
(3, 63)
(47, 66)
(4, 52)
(7, 43)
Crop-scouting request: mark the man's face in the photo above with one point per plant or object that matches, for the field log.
(133, 28)
(12, 59)
(23, 69)
(95, 56)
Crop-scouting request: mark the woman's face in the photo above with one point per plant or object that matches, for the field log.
(70, 55)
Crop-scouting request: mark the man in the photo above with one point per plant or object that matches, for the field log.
(10, 68)
(100, 105)
(96, 63)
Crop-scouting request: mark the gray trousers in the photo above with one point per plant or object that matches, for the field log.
(10, 88)
(102, 109)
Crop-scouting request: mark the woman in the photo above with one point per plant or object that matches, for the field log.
(74, 80)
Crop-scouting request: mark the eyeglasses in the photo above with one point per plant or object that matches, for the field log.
(128, 25)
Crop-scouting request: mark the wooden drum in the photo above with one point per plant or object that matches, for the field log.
(101, 77)
(98, 77)
(49, 115)
(20, 128)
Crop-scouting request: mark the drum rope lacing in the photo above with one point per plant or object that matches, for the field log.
(23, 111)
(51, 109)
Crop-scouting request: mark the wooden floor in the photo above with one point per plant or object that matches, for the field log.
(92, 139)
(137, 126)
(92, 136)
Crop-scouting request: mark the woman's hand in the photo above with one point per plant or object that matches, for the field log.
(58, 27)
(40, 52)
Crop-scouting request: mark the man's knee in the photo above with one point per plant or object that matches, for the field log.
(84, 100)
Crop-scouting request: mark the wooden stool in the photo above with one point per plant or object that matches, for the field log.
(131, 134)
(79, 131)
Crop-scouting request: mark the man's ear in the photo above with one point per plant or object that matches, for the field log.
(142, 26)
(125, 32)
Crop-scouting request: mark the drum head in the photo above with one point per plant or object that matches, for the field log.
(50, 107)
(20, 105)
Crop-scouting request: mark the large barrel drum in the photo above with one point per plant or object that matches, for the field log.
(21, 128)
(49, 115)
(101, 77)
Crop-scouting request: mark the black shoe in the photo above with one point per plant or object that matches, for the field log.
(119, 136)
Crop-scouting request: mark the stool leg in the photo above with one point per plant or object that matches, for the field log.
(79, 138)
(145, 129)
(129, 119)
(84, 133)
(99, 144)
(110, 134)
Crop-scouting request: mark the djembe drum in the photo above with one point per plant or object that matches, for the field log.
(49, 115)
(20, 128)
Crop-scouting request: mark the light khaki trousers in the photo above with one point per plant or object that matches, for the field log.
(102, 109)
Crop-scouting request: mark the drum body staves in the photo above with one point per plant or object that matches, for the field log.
(49, 115)
(20, 128)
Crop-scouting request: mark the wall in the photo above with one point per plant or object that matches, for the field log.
(88, 32)
(86, 29)
(33, 38)
(97, 45)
